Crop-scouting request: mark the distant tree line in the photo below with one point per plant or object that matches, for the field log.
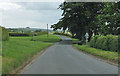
(80, 17)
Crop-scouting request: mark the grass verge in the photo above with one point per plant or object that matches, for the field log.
(49, 38)
(109, 55)
(18, 50)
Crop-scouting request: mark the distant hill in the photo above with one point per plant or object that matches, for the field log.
(26, 29)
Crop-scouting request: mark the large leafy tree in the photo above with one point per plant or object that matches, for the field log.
(109, 19)
(81, 17)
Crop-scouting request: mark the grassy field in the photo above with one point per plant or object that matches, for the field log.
(18, 50)
(50, 38)
(102, 53)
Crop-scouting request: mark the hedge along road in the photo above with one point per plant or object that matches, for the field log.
(62, 58)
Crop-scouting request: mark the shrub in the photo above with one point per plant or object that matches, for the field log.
(100, 42)
(113, 43)
(5, 34)
(109, 42)
(93, 41)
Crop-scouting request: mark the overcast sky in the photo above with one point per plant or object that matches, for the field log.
(30, 14)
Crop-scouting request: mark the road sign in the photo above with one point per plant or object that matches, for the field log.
(86, 36)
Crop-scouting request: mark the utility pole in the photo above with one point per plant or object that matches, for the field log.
(47, 30)
(32, 35)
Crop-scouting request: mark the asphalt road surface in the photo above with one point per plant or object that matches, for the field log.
(62, 58)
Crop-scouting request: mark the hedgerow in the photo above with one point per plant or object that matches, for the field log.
(19, 34)
(109, 42)
(26, 34)
(4, 34)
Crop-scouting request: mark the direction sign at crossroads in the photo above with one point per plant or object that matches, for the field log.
(86, 36)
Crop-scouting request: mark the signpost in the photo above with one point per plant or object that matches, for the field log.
(86, 36)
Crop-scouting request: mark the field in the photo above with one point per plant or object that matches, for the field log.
(18, 50)
(98, 52)
(50, 38)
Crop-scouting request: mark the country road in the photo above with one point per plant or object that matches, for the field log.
(62, 58)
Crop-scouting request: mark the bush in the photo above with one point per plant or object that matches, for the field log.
(99, 42)
(5, 34)
(93, 41)
(109, 42)
(113, 43)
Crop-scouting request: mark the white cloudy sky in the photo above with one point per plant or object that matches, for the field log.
(29, 14)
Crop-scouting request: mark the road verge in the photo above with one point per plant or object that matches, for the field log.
(20, 69)
(108, 56)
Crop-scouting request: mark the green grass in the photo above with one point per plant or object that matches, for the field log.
(50, 38)
(102, 53)
(73, 39)
(18, 50)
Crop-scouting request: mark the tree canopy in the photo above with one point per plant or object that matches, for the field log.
(81, 17)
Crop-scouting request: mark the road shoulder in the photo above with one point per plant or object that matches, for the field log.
(98, 57)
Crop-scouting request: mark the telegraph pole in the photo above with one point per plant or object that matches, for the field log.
(47, 30)
(32, 35)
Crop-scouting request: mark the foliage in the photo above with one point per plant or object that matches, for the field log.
(19, 50)
(109, 42)
(98, 52)
(109, 19)
(5, 35)
(93, 41)
(81, 17)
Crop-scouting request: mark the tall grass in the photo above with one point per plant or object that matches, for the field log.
(102, 53)
(18, 50)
